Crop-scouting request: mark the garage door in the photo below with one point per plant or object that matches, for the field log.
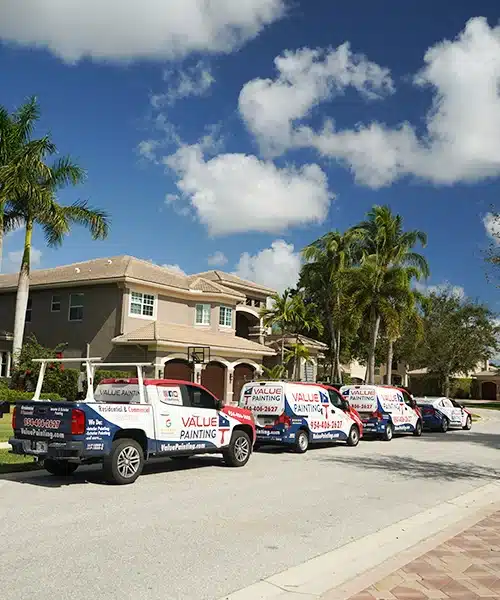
(178, 369)
(242, 374)
(213, 377)
(489, 390)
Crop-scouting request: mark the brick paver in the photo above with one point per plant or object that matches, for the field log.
(466, 567)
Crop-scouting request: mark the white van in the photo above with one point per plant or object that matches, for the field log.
(297, 414)
(384, 410)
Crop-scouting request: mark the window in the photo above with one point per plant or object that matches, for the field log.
(28, 311)
(226, 316)
(55, 305)
(76, 307)
(203, 314)
(335, 398)
(198, 398)
(142, 305)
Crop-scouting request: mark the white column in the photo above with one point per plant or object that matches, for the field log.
(9, 363)
(1, 363)
(229, 385)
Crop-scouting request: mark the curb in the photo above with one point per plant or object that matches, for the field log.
(351, 566)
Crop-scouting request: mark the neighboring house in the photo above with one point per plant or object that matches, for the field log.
(123, 309)
(308, 369)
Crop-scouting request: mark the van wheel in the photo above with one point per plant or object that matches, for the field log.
(239, 450)
(353, 439)
(125, 462)
(388, 433)
(468, 423)
(444, 425)
(418, 429)
(301, 442)
(60, 468)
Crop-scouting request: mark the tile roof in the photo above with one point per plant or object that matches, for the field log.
(275, 339)
(117, 267)
(229, 278)
(182, 334)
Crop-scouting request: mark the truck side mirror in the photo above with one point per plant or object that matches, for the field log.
(219, 404)
(345, 405)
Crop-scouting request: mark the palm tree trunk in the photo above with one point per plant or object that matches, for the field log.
(338, 370)
(390, 352)
(2, 208)
(333, 346)
(23, 288)
(446, 385)
(372, 348)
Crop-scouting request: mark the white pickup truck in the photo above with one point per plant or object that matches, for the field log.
(125, 422)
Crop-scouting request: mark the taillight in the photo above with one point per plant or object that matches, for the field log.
(14, 416)
(428, 411)
(284, 420)
(77, 422)
(377, 415)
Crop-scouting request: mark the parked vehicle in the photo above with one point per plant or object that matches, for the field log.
(384, 410)
(441, 413)
(298, 414)
(125, 422)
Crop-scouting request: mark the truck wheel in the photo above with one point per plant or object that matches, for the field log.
(239, 450)
(418, 429)
(444, 425)
(301, 442)
(353, 439)
(60, 468)
(124, 463)
(468, 423)
(388, 433)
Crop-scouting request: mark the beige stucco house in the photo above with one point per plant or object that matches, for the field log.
(123, 309)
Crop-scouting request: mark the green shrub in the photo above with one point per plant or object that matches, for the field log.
(18, 396)
(63, 382)
(461, 388)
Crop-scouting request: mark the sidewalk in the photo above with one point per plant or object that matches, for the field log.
(466, 566)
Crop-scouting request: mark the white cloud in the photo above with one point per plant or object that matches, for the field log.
(461, 142)
(305, 78)
(492, 225)
(218, 259)
(175, 269)
(277, 267)
(13, 262)
(115, 30)
(233, 193)
(183, 83)
(453, 290)
(147, 148)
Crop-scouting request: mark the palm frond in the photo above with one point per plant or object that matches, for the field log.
(94, 219)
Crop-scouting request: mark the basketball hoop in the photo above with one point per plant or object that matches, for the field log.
(199, 355)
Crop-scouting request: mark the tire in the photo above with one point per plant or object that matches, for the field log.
(239, 450)
(468, 423)
(353, 438)
(444, 425)
(388, 433)
(60, 468)
(301, 441)
(418, 429)
(125, 462)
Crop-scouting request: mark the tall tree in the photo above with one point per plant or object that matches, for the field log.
(280, 316)
(324, 278)
(458, 335)
(32, 186)
(389, 262)
(493, 255)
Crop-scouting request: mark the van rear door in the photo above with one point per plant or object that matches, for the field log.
(363, 398)
(265, 400)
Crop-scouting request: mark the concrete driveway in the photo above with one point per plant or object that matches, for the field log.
(199, 531)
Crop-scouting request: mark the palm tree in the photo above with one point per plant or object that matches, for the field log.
(389, 265)
(16, 147)
(280, 316)
(325, 276)
(32, 198)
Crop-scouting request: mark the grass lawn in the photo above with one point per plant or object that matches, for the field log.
(12, 463)
(487, 405)
(5, 428)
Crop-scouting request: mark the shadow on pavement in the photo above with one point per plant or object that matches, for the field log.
(93, 474)
(488, 440)
(413, 468)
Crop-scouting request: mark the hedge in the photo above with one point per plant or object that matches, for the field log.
(17, 396)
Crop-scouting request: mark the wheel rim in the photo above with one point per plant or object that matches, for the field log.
(389, 432)
(419, 427)
(469, 422)
(241, 449)
(303, 441)
(445, 425)
(128, 462)
(354, 435)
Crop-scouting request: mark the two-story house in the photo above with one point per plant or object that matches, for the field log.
(123, 309)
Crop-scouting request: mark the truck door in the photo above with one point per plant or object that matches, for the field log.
(201, 423)
(168, 412)
(339, 421)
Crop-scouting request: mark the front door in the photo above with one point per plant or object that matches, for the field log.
(339, 421)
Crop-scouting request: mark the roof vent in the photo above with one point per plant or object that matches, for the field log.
(77, 269)
(109, 261)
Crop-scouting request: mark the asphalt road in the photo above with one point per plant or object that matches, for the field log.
(203, 530)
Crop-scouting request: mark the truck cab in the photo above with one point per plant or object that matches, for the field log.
(125, 422)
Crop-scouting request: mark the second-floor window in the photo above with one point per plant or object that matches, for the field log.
(28, 311)
(142, 305)
(55, 305)
(226, 316)
(76, 307)
(203, 314)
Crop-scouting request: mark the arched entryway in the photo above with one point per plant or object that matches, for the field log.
(242, 374)
(213, 377)
(488, 390)
(178, 369)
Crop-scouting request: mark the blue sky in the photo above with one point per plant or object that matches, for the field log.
(208, 151)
